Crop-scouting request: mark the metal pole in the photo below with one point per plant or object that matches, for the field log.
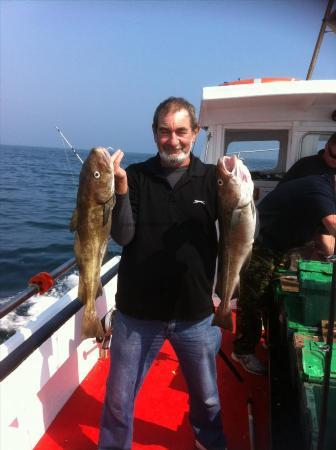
(209, 136)
(328, 355)
(327, 364)
(251, 424)
(319, 40)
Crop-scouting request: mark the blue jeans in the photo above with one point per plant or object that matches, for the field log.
(135, 344)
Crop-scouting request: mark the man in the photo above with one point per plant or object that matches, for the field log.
(165, 218)
(289, 217)
(323, 162)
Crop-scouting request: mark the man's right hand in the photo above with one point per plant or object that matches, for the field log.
(120, 176)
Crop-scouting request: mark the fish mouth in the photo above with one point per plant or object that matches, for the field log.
(103, 154)
(230, 164)
(227, 166)
(231, 169)
(103, 158)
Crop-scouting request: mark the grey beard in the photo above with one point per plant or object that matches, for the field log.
(174, 160)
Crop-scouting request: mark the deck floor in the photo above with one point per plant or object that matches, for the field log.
(161, 414)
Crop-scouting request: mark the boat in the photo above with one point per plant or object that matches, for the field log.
(53, 382)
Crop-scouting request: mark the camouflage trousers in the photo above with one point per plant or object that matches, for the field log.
(256, 290)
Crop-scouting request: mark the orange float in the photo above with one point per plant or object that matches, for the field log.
(43, 281)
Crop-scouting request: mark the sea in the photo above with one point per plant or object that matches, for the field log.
(38, 188)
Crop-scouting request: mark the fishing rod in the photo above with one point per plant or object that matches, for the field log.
(72, 148)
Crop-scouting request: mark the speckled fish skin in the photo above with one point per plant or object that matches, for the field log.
(91, 222)
(237, 221)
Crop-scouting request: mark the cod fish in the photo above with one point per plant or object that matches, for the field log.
(237, 222)
(91, 222)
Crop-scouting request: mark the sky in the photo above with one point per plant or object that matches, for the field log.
(98, 68)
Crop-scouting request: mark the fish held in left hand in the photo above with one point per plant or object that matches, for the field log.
(91, 222)
(237, 222)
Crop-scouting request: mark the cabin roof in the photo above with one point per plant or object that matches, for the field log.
(272, 97)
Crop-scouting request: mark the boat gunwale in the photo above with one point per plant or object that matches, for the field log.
(33, 342)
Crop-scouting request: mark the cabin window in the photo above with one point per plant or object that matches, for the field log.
(261, 150)
(313, 142)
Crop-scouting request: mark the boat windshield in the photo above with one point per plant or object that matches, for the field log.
(313, 142)
(261, 150)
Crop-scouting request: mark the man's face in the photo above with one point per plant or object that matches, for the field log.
(332, 150)
(174, 138)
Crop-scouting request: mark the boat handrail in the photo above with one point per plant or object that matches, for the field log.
(30, 344)
(33, 290)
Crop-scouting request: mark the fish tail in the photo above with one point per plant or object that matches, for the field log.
(223, 320)
(91, 325)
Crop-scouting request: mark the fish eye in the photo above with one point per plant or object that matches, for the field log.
(96, 174)
(220, 182)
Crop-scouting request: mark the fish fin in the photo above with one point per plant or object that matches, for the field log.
(91, 325)
(235, 219)
(223, 320)
(106, 213)
(74, 221)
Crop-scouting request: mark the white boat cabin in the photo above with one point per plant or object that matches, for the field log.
(269, 123)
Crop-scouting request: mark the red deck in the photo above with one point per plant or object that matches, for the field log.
(161, 415)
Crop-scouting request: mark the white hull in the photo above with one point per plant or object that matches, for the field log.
(33, 393)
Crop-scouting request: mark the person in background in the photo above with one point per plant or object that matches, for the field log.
(323, 162)
(289, 216)
(164, 218)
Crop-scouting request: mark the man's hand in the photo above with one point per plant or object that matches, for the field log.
(330, 223)
(120, 176)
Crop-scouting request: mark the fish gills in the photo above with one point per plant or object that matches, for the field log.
(236, 220)
(91, 222)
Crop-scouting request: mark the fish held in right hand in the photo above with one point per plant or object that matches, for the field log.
(91, 222)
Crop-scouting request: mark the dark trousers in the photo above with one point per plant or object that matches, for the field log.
(256, 289)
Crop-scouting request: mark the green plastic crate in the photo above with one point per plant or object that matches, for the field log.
(297, 327)
(313, 362)
(315, 266)
(315, 288)
(291, 307)
(295, 346)
(311, 402)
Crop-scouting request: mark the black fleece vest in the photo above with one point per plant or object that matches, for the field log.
(166, 272)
